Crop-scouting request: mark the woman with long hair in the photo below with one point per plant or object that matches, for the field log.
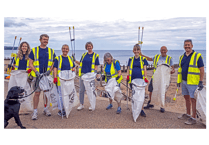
(21, 61)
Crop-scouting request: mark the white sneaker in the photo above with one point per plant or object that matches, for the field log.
(184, 117)
(80, 107)
(47, 112)
(35, 115)
(191, 121)
(90, 109)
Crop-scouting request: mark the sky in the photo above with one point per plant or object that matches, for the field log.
(118, 34)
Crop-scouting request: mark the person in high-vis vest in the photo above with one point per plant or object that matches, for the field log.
(190, 76)
(88, 63)
(21, 61)
(137, 68)
(158, 59)
(62, 62)
(112, 70)
(41, 60)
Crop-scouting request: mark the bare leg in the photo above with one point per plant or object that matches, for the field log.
(150, 96)
(110, 101)
(36, 100)
(119, 104)
(188, 104)
(193, 107)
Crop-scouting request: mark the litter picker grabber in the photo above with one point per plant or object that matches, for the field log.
(18, 45)
(174, 99)
(74, 39)
(140, 42)
(9, 69)
(60, 100)
(127, 95)
(72, 48)
(127, 92)
(139, 36)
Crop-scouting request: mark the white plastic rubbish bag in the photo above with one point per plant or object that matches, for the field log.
(200, 97)
(113, 89)
(49, 89)
(68, 91)
(53, 98)
(53, 95)
(19, 78)
(46, 83)
(89, 83)
(138, 95)
(161, 81)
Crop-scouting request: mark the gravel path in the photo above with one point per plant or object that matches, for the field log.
(104, 119)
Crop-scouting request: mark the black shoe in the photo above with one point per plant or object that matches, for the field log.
(142, 113)
(149, 105)
(162, 110)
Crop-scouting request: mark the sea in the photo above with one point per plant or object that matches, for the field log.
(123, 55)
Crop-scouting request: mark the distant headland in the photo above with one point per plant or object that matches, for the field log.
(9, 48)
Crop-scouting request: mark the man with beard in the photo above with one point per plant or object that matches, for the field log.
(190, 75)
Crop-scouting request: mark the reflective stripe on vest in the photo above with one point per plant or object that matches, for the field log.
(36, 59)
(59, 58)
(131, 67)
(193, 76)
(92, 65)
(17, 60)
(157, 56)
(113, 72)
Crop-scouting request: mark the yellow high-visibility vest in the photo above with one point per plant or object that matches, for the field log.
(36, 59)
(157, 56)
(59, 58)
(141, 64)
(113, 72)
(92, 65)
(193, 76)
(17, 60)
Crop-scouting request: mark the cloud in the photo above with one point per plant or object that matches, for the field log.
(12, 24)
(9, 22)
(117, 34)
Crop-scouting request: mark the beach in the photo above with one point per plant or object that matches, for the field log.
(102, 118)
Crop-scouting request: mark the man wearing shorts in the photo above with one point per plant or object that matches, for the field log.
(158, 59)
(41, 60)
(190, 76)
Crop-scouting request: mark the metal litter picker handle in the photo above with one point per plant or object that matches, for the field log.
(174, 99)
(59, 100)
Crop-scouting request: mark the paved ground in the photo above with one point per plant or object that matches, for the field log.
(104, 119)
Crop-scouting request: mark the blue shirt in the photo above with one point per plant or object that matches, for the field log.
(43, 59)
(108, 66)
(65, 63)
(22, 63)
(87, 61)
(185, 65)
(136, 72)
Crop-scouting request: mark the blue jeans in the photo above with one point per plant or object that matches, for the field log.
(81, 91)
(60, 101)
